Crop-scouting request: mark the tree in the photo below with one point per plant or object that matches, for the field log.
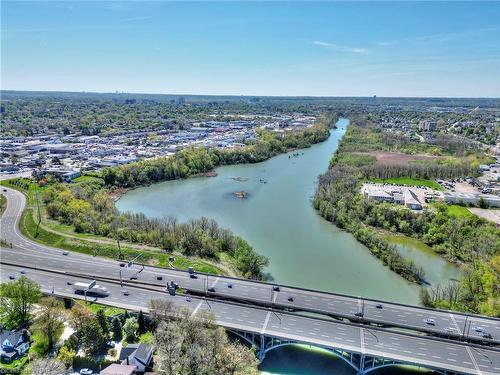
(50, 319)
(17, 299)
(141, 321)
(66, 355)
(47, 366)
(92, 338)
(103, 321)
(80, 315)
(130, 329)
(117, 329)
(194, 345)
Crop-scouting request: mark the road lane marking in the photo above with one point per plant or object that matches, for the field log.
(362, 339)
(197, 308)
(473, 360)
(265, 322)
(456, 324)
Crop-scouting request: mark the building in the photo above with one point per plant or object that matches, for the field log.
(471, 199)
(138, 355)
(427, 125)
(117, 369)
(411, 200)
(14, 343)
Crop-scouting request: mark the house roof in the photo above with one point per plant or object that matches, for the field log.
(13, 336)
(127, 351)
(116, 369)
(141, 352)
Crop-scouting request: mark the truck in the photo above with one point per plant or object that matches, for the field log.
(94, 289)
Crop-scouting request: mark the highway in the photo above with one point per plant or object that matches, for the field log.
(446, 324)
(55, 272)
(422, 350)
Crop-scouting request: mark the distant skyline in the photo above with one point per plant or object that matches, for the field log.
(242, 48)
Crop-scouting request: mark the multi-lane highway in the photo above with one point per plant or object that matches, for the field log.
(268, 307)
(265, 294)
(426, 351)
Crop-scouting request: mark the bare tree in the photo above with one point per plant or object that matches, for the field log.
(46, 366)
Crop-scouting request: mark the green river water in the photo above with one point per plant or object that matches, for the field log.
(278, 220)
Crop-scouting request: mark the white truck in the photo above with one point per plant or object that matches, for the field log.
(94, 289)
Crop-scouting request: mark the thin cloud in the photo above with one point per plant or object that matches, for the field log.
(336, 47)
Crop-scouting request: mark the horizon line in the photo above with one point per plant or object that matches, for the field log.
(250, 95)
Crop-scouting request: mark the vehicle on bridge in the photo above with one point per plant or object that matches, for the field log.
(90, 289)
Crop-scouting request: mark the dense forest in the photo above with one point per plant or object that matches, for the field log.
(469, 240)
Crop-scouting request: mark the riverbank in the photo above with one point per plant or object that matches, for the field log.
(278, 220)
(461, 239)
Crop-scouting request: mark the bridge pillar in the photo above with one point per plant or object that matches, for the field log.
(361, 370)
(261, 352)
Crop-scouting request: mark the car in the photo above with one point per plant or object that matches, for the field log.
(276, 288)
(211, 289)
(23, 272)
(122, 264)
(450, 329)
(430, 321)
(379, 306)
(188, 298)
(358, 314)
(290, 299)
(159, 277)
(86, 371)
(69, 283)
(133, 277)
(477, 329)
(486, 335)
(12, 277)
(65, 253)
(110, 344)
(193, 276)
(230, 286)
(125, 292)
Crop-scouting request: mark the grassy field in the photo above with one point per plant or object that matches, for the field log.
(458, 211)
(409, 182)
(95, 307)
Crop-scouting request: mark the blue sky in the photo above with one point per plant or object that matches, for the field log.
(323, 49)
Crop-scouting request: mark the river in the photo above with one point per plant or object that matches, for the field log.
(278, 220)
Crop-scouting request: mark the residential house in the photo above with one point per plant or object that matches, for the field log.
(14, 344)
(139, 355)
(117, 369)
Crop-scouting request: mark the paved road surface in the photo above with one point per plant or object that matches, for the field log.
(426, 351)
(447, 324)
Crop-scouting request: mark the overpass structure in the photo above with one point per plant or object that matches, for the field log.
(267, 315)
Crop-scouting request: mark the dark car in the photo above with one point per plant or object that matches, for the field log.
(358, 314)
(122, 264)
(230, 286)
(193, 276)
(276, 288)
(379, 306)
(211, 289)
(159, 277)
(290, 299)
